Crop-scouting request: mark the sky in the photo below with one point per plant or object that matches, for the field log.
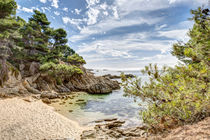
(119, 34)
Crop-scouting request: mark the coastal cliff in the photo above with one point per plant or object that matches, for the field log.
(30, 80)
(36, 58)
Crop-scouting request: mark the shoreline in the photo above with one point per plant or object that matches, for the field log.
(35, 120)
(29, 118)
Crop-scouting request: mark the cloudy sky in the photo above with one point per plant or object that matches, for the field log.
(118, 34)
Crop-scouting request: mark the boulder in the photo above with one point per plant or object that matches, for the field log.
(46, 100)
(49, 95)
(87, 82)
(34, 68)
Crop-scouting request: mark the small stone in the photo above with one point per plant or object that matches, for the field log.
(80, 100)
(46, 100)
(62, 103)
(70, 110)
(88, 134)
(28, 99)
(109, 120)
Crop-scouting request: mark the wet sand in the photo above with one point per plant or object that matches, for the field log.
(20, 120)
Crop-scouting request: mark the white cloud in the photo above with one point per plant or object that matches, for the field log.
(27, 10)
(109, 24)
(92, 2)
(161, 27)
(104, 6)
(56, 13)
(65, 9)
(115, 12)
(179, 34)
(171, 1)
(54, 3)
(43, 1)
(120, 50)
(92, 16)
(76, 22)
(105, 13)
(45, 8)
(126, 7)
(77, 11)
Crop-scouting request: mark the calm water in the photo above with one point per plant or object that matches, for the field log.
(96, 107)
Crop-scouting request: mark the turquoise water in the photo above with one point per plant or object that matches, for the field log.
(97, 107)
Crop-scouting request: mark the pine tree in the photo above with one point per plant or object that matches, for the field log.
(8, 33)
(181, 94)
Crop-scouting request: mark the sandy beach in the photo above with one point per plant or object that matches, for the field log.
(20, 120)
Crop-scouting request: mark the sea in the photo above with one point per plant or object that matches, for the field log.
(104, 106)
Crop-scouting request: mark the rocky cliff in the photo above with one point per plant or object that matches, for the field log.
(28, 79)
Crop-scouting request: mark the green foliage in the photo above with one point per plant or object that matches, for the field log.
(7, 7)
(60, 70)
(181, 94)
(76, 59)
(44, 44)
(35, 40)
(197, 48)
(8, 23)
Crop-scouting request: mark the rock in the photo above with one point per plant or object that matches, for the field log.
(88, 134)
(55, 101)
(30, 80)
(34, 68)
(30, 89)
(113, 130)
(49, 95)
(98, 121)
(87, 82)
(80, 100)
(28, 99)
(117, 76)
(115, 124)
(46, 100)
(112, 119)
(112, 76)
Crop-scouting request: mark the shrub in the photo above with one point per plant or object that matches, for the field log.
(60, 70)
(181, 94)
(76, 59)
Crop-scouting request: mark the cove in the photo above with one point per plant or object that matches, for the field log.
(87, 108)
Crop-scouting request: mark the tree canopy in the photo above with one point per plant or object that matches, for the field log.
(35, 41)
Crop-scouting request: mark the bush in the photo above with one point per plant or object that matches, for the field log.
(76, 59)
(181, 94)
(60, 70)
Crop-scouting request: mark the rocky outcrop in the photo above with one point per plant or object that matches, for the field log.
(117, 76)
(112, 129)
(91, 84)
(86, 82)
(30, 81)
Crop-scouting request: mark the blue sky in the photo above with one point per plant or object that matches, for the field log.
(119, 34)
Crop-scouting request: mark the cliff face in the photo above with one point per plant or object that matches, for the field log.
(28, 79)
